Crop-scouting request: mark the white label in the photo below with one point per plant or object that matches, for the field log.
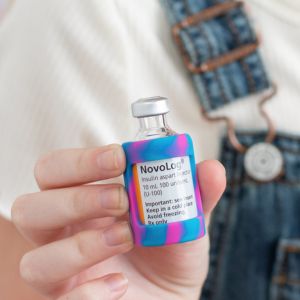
(167, 190)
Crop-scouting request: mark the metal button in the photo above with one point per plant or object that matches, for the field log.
(263, 162)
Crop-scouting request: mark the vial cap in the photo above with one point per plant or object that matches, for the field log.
(151, 106)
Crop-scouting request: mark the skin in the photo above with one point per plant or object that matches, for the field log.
(74, 240)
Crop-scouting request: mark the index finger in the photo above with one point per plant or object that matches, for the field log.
(68, 167)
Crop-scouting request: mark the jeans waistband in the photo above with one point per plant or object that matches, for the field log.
(289, 145)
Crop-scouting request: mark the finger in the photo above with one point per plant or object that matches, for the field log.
(110, 287)
(54, 209)
(68, 167)
(52, 263)
(211, 177)
(212, 180)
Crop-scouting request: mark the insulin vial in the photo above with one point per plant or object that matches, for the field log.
(161, 180)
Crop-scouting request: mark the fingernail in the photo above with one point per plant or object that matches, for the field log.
(118, 234)
(111, 159)
(116, 283)
(113, 198)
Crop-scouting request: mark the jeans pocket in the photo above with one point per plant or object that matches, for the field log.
(286, 274)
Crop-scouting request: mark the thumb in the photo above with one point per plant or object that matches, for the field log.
(212, 181)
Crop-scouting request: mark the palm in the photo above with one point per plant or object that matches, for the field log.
(174, 271)
(169, 272)
(69, 243)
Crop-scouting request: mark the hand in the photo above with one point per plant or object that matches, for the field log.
(84, 243)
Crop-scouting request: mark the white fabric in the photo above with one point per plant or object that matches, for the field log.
(69, 70)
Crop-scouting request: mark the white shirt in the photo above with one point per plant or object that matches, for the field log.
(69, 70)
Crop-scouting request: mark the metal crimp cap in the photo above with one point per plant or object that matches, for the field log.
(151, 106)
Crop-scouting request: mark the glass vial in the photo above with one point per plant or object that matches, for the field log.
(151, 113)
(161, 181)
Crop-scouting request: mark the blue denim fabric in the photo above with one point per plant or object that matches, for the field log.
(255, 230)
(215, 37)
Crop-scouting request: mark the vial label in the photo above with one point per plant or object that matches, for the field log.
(165, 190)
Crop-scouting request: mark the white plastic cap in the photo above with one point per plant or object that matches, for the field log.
(151, 106)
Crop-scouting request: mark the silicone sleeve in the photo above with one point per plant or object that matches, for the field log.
(157, 149)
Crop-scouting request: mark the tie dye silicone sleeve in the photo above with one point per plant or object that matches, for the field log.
(163, 190)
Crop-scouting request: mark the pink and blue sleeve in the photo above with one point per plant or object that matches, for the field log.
(157, 149)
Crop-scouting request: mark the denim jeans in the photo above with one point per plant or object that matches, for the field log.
(255, 230)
